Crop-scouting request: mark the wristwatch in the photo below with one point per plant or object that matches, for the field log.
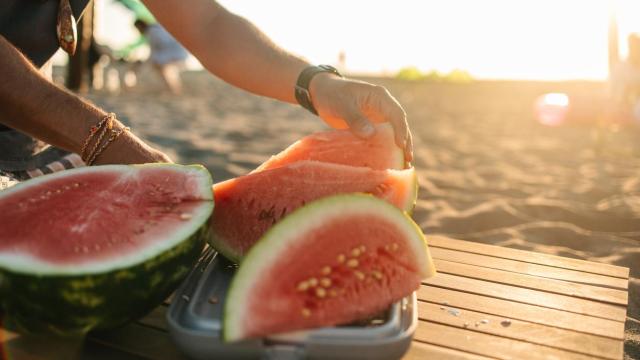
(302, 85)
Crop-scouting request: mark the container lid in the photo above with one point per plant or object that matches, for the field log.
(195, 324)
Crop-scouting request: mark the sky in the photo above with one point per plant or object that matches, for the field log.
(491, 39)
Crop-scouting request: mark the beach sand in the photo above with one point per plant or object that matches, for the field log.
(488, 171)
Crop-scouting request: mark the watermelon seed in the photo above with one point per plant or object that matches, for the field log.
(313, 282)
(377, 274)
(363, 248)
(333, 293)
(306, 312)
(352, 263)
(320, 292)
(303, 286)
(185, 216)
(359, 275)
(325, 282)
(186, 298)
(58, 191)
(85, 249)
(76, 185)
(326, 270)
(394, 247)
(341, 258)
(355, 252)
(97, 247)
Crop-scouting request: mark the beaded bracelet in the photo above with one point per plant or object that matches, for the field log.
(99, 127)
(104, 126)
(113, 137)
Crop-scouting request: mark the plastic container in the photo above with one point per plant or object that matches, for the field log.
(195, 323)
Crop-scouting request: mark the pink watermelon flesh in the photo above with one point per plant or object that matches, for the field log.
(96, 216)
(336, 266)
(247, 206)
(342, 147)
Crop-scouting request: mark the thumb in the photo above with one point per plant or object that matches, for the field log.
(360, 126)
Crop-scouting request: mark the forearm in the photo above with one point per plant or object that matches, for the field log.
(32, 104)
(230, 47)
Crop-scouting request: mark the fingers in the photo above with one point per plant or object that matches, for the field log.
(408, 149)
(360, 126)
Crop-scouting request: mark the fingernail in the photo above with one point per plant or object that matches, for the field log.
(368, 130)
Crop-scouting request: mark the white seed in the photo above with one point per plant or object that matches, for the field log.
(352, 263)
(363, 248)
(355, 252)
(306, 312)
(325, 282)
(320, 292)
(359, 275)
(333, 293)
(313, 282)
(341, 258)
(377, 274)
(303, 286)
(185, 216)
(326, 270)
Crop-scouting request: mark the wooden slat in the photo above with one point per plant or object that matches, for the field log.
(488, 345)
(528, 296)
(529, 268)
(141, 341)
(529, 256)
(614, 296)
(526, 312)
(423, 351)
(522, 330)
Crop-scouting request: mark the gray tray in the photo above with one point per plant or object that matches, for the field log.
(195, 324)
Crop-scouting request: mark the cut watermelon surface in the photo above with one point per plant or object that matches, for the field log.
(335, 260)
(94, 247)
(342, 147)
(247, 206)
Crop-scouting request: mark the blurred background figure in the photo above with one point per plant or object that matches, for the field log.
(167, 55)
(624, 77)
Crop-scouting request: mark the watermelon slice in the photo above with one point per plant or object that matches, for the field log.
(97, 246)
(247, 206)
(333, 261)
(342, 147)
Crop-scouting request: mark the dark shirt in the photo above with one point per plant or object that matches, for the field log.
(30, 25)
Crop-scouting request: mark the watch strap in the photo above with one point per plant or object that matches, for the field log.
(302, 84)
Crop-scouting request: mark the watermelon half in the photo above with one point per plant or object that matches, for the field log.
(334, 261)
(247, 206)
(342, 147)
(94, 247)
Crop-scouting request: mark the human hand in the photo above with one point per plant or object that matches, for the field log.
(130, 149)
(347, 103)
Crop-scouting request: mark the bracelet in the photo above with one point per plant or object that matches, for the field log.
(101, 129)
(113, 137)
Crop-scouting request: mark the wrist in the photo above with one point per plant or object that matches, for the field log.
(303, 90)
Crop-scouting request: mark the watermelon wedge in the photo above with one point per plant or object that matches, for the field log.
(94, 247)
(342, 147)
(333, 261)
(247, 206)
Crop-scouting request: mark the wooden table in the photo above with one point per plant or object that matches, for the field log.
(485, 302)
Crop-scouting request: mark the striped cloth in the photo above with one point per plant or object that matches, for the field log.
(10, 178)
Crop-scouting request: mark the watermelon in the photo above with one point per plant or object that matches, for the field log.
(342, 147)
(94, 247)
(336, 260)
(247, 206)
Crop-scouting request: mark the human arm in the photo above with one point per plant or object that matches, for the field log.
(32, 104)
(233, 49)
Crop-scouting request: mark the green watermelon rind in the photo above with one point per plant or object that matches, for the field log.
(277, 239)
(71, 304)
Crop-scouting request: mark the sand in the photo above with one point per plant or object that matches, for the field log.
(488, 171)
